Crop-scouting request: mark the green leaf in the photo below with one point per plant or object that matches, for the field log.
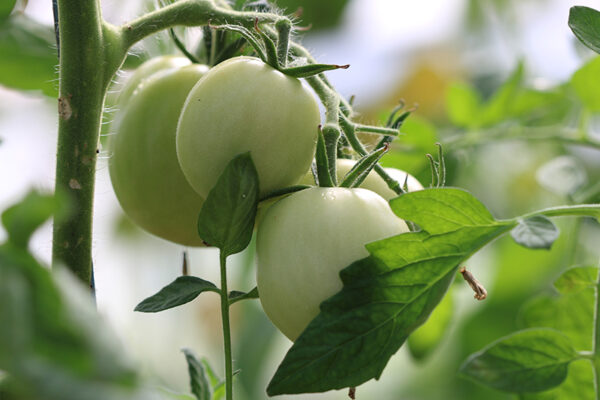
(528, 361)
(499, 107)
(579, 385)
(227, 216)
(198, 378)
(387, 295)
(442, 210)
(586, 84)
(571, 314)
(585, 24)
(52, 340)
(576, 279)
(6, 8)
(235, 296)
(22, 219)
(181, 291)
(424, 340)
(463, 105)
(29, 55)
(212, 375)
(536, 232)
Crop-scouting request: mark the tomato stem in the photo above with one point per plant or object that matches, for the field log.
(226, 328)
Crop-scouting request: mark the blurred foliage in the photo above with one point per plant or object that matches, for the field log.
(52, 343)
(29, 57)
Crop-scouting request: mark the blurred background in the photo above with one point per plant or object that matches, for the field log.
(435, 55)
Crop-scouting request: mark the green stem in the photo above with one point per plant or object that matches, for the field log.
(189, 13)
(226, 328)
(583, 210)
(84, 78)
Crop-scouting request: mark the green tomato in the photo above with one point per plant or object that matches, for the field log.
(143, 164)
(245, 105)
(146, 70)
(373, 181)
(306, 239)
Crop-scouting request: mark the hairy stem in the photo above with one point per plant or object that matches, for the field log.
(189, 13)
(82, 89)
(226, 329)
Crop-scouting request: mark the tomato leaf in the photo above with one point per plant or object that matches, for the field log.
(571, 314)
(579, 385)
(463, 104)
(52, 341)
(424, 340)
(387, 295)
(586, 84)
(29, 55)
(536, 232)
(22, 219)
(585, 24)
(235, 296)
(199, 384)
(181, 291)
(527, 361)
(576, 279)
(227, 216)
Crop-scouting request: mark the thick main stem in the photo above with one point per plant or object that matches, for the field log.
(226, 329)
(81, 90)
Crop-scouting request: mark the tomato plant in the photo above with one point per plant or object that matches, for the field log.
(143, 165)
(243, 105)
(346, 275)
(305, 240)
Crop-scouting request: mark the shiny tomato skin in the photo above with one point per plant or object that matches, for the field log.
(245, 105)
(304, 241)
(143, 164)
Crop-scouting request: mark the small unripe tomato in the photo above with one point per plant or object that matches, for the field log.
(143, 164)
(306, 239)
(245, 105)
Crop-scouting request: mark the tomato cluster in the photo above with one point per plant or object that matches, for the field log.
(180, 124)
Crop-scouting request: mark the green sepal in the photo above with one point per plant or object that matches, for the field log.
(308, 70)
(323, 172)
(359, 172)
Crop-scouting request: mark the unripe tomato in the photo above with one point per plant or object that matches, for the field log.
(373, 181)
(143, 166)
(245, 105)
(146, 70)
(305, 240)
